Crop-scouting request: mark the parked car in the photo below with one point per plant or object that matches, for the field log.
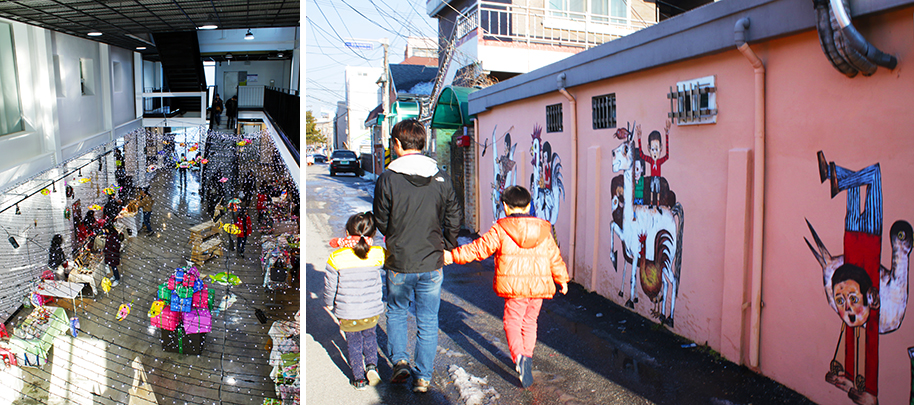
(319, 158)
(345, 161)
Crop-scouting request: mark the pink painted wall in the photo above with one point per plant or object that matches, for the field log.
(810, 107)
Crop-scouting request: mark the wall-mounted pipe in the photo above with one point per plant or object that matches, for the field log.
(574, 170)
(758, 192)
(843, 45)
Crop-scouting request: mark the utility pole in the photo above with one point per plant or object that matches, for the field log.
(385, 98)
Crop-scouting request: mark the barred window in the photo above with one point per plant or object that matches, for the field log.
(554, 118)
(604, 111)
(694, 102)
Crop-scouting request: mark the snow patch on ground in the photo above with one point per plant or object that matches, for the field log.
(473, 390)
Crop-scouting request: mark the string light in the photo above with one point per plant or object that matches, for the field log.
(146, 262)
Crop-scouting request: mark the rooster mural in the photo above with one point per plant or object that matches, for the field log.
(869, 298)
(651, 236)
(546, 187)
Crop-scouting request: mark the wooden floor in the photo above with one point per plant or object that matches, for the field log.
(120, 362)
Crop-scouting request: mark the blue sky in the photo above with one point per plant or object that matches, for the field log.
(328, 23)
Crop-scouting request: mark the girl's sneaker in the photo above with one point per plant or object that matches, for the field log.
(371, 371)
(360, 384)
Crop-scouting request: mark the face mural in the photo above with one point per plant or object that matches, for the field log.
(868, 298)
(505, 175)
(648, 221)
(546, 185)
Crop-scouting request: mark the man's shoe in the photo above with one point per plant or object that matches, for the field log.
(833, 179)
(360, 384)
(401, 372)
(371, 372)
(526, 371)
(421, 385)
(823, 166)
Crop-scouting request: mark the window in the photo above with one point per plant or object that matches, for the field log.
(604, 111)
(117, 77)
(86, 77)
(605, 11)
(694, 102)
(10, 109)
(554, 118)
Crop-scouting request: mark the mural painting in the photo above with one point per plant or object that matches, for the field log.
(869, 298)
(505, 175)
(648, 221)
(546, 185)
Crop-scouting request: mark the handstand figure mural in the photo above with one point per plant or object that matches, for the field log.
(869, 298)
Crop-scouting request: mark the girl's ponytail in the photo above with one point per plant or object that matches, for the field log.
(364, 226)
(361, 248)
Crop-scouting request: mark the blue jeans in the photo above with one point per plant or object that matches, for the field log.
(147, 216)
(425, 290)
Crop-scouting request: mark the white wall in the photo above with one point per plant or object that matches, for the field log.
(79, 114)
(122, 97)
(278, 70)
(61, 122)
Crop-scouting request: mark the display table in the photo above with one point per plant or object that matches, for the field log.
(285, 359)
(91, 275)
(34, 337)
(60, 289)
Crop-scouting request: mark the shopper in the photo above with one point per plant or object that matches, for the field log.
(527, 267)
(56, 257)
(352, 292)
(145, 203)
(231, 112)
(113, 252)
(216, 110)
(243, 222)
(416, 209)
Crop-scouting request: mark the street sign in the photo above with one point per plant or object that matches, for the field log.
(359, 45)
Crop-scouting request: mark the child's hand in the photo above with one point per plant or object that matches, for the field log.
(448, 258)
(564, 289)
(638, 130)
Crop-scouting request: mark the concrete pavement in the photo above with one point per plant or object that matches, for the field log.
(589, 351)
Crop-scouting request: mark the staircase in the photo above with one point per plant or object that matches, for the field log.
(182, 67)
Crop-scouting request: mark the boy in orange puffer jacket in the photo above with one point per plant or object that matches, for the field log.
(527, 267)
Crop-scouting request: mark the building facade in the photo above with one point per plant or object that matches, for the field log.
(719, 188)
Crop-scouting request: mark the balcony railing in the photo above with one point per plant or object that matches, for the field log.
(536, 25)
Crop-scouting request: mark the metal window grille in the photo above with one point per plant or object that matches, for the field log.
(604, 111)
(554, 118)
(692, 104)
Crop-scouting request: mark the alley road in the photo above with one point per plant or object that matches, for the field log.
(590, 351)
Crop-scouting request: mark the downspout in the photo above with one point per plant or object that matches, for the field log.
(560, 79)
(476, 163)
(758, 192)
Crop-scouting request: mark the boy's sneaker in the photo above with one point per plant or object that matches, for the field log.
(115, 283)
(526, 371)
(421, 385)
(371, 372)
(360, 384)
(401, 372)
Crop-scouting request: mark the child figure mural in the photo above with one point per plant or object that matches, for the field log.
(869, 298)
(505, 175)
(546, 184)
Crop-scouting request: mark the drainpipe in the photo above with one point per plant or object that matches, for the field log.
(758, 191)
(560, 79)
(476, 163)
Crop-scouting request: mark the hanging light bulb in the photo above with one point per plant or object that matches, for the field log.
(249, 36)
(54, 187)
(17, 209)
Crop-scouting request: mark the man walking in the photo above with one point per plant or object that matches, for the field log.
(416, 209)
(231, 112)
